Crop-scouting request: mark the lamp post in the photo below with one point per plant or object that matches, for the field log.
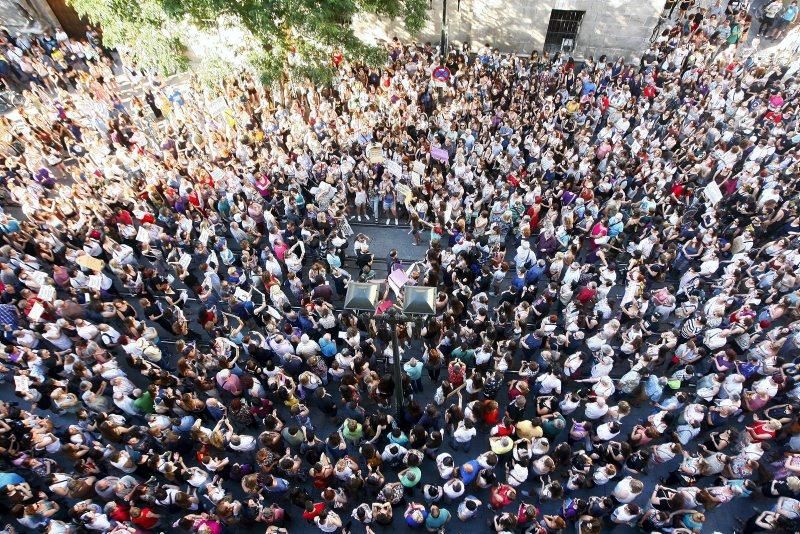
(418, 302)
(444, 30)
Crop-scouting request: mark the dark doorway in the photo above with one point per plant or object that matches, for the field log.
(562, 31)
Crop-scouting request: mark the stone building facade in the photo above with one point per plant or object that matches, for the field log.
(611, 27)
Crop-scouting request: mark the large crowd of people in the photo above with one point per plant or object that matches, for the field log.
(615, 247)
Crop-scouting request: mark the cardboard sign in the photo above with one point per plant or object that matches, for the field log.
(218, 175)
(212, 259)
(375, 153)
(419, 168)
(394, 168)
(36, 312)
(274, 313)
(241, 295)
(416, 179)
(90, 262)
(47, 293)
(713, 193)
(143, 236)
(440, 154)
(404, 191)
(185, 261)
(203, 238)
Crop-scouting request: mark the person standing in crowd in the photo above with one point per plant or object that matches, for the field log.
(174, 356)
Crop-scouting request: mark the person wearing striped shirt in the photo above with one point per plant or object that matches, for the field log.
(692, 327)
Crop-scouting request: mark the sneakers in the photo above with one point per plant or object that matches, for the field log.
(359, 218)
(366, 217)
(387, 222)
(396, 222)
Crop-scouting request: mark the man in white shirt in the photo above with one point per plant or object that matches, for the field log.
(462, 436)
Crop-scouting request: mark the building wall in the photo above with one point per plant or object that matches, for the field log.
(611, 27)
(27, 16)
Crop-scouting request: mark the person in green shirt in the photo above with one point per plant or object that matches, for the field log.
(352, 431)
(145, 403)
(437, 518)
(410, 477)
(552, 425)
(465, 354)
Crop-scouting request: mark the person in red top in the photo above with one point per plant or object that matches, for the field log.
(491, 412)
(118, 512)
(312, 510)
(526, 514)
(501, 495)
(587, 293)
(761, 431)
(504, 428)
(124, 217)
(144, 517)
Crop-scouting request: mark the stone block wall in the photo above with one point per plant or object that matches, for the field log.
(611, 27)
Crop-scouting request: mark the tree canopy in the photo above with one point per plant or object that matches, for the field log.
(284, 37)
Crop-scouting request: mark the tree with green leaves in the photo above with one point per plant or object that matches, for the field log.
(292, 39)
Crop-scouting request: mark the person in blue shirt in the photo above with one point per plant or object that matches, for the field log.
(518, 282)
(469, 471)
(588, 86)
(533, 274)
(413, 369)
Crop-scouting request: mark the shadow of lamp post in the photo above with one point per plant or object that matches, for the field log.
(418, 303)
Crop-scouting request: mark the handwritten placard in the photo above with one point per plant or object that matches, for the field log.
(185, 261)
(47, 293)
(419, 168)
(713, 193)
(241, 295)
(95, 282)
(22, 383)
(36, 312)
(143, 236)
(203, 238)
(394, 168)
(39, 277)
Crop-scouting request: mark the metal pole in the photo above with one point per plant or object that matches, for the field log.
(398, 370)
(444, 30)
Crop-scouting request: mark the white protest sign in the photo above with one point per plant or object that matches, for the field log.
(416, 179)
(36, 312)
(22, 383)
(143, 236)
(95, 282)
(241, 295)
(713, 193)
(218, 175)
(39, 277)
(185, 261)
(394, 168)
(212, 259)
(203, 238)
(47, 293)
(419, 168)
